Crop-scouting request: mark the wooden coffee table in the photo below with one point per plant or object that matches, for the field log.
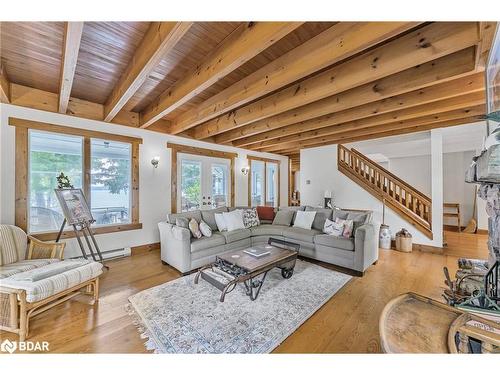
(235, 267)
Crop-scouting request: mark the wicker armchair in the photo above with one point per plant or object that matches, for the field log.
(34, 278)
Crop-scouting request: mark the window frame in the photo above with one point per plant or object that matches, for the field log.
(22, 173)
(249, 178)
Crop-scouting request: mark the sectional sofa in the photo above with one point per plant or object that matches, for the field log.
(185, 253)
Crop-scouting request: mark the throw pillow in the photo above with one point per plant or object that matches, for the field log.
(182, 222)
(348, 227)
(234, 220)
(284, 217)
(250, 218)
(333, 228)
(265, 212)
(221, 223)
(205, 229)
(195, 228)
(304, 219)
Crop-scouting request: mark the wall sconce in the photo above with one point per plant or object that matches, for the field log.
(155, 161)
(245, 170)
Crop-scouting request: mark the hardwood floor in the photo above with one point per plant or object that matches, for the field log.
(348, 323)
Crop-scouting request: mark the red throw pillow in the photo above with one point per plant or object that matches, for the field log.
(265, 213)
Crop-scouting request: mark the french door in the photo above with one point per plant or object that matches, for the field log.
(263, 182)
(204, 182)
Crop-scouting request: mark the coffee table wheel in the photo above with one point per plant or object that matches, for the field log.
(287, 273)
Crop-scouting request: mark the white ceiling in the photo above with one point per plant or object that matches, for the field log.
(468, 137)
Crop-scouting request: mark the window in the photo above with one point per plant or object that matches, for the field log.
(263, 182)
(105, 166)
(110, 181)
(258, 178)
(49, 155)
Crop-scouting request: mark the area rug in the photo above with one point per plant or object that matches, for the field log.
(181, 317)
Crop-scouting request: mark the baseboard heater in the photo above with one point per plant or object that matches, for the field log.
(111, 254)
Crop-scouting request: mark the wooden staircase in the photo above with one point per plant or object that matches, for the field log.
(402, 198)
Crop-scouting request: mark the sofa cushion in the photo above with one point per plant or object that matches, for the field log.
(46, 287)
(22, 266)
(334, 241)
(362, 217)
(268, 230)
(338, 213)
(203, 243)
(284, 218)
(236, 235)
(188, 215)
(321, 215)
(265, 213)
(208, 216)
(300, 234)
(292, 208)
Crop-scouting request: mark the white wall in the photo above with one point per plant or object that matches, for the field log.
(416, 170)
(347, 194)
(456, 190)
(154, 184)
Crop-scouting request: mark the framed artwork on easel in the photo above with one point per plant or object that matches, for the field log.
(74, 206)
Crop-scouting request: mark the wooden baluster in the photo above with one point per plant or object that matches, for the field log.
(487, 348)
(463, 343)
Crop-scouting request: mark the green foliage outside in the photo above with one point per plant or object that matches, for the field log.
(191, 187)
(112, 173)
(46, 166)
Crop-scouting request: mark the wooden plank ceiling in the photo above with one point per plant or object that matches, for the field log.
(276, 87)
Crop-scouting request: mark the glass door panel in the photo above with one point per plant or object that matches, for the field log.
(191, 185)
(219, 185)
(257, 184)
(271, 184)
(204, 183)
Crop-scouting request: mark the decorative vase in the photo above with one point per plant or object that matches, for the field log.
(384, 237)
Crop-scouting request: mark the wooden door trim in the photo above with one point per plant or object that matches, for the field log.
(249, 177)
(200, 151)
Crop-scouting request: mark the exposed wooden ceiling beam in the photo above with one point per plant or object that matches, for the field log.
(428, 100)
(373, 132)
(420, 46)
(4, 85)
(160, 39)
(413, 129)
(486, 35)
(242, 45)
(71, 45)
(423, 84)
(47, 101)
(449, 107)
(338, 42)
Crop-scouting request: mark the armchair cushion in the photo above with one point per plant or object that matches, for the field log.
(46, 287)
(13, 243)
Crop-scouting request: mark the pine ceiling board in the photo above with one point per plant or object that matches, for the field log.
(31, 53)
(199, 41)
(292, 40)
(302, 34)
(105, 51)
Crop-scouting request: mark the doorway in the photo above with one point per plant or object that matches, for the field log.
(204, 182)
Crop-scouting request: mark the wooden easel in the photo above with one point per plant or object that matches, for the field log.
(83, 228)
